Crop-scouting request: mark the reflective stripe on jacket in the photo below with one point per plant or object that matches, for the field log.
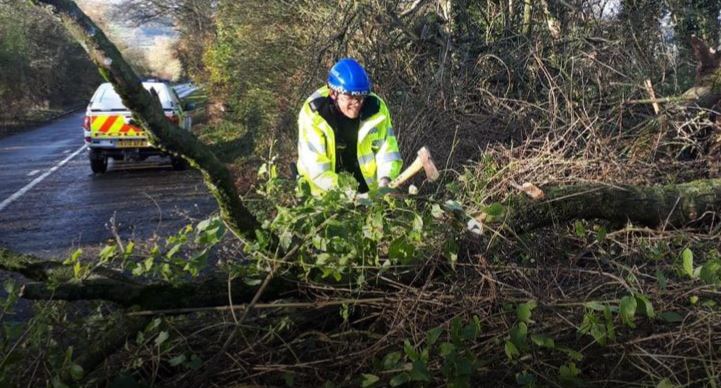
(377, 148)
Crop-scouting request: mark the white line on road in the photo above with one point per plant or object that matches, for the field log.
(33, 172)
(37, 180)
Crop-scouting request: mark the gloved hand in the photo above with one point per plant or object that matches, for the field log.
(384, 182)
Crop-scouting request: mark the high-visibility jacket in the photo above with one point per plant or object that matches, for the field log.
(377, 148)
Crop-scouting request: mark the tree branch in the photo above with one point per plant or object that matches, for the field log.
(148, 112)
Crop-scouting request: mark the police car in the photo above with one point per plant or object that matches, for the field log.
(110, 131)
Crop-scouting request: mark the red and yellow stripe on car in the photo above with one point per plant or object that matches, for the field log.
(112, 126)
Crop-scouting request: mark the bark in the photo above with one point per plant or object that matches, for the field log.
(53, 280)
(655, 206)
(148, 112)
(706, 91)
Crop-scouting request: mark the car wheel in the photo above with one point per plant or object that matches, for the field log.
(178, 163)
(98, 162)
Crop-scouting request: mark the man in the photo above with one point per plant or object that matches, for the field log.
(343, 126)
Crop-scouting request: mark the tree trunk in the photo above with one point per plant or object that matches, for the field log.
(148, 112)
(656, 206)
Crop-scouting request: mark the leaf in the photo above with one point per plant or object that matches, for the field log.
(410, 351)
(433, 335)
(645, 305)
(401, 250)
(436, 211)
(399, 379)
(76, 372)
(579, 229)
(671, 316)
(511, 350)
(595, 305)
(710, 272)
(177, 360)
(149, 263)
(170, 252)
(446, 349)
(107, 253)
(391, 360)
(369, 380)
(687, 262)
(453, 206)
(419, 371)
(627, 310)
(494, 210)
(518, 335)
(543, 341)
(162, 337)
(665, 383)
(523, 311)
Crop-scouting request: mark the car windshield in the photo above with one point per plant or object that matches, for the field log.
(107, 100)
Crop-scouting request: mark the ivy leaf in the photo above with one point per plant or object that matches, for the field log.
(523, 311)
(391, 360)
(419, 371)
(399, 379)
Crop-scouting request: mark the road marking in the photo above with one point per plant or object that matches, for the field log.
(37, 180)
(33, 172)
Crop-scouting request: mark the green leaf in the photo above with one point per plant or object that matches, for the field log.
(369, 380)
(433, 335)
(710, 272)
(579, 229)
(665, 383)
(401, 250)
(107, 253)
(671, 316)
(595, 306)
(543, 341)
(518, 334)
(286, 238)
(511, 350)
(627, 310)
(162, 337)
(569, 371)
(446, 349)
(419, 371)
(76, 372)
(494, 210)
(57, 383)
(572, 354)
(687, 262)
(523, 311)
(645, 305)
(149, 263)
(410, 351)
(177, 360)
(170, 252)
(399, 379)
(391, 360)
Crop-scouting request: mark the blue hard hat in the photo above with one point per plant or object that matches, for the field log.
(348, 76)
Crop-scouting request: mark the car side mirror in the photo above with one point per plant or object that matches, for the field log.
(188, 106)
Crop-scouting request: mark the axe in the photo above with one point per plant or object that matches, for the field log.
(423, 161)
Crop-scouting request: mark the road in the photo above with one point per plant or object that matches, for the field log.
(51, 203)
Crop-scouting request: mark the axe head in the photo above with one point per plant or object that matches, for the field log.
(428, 166)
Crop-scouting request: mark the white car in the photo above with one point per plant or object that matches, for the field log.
(110, 132)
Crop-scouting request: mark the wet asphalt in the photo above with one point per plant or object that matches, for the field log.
(73, 208)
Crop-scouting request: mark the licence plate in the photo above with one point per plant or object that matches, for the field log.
(134, 143)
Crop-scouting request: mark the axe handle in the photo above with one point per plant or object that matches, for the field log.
(413, 169)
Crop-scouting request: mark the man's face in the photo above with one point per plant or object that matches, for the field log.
(348, 104)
